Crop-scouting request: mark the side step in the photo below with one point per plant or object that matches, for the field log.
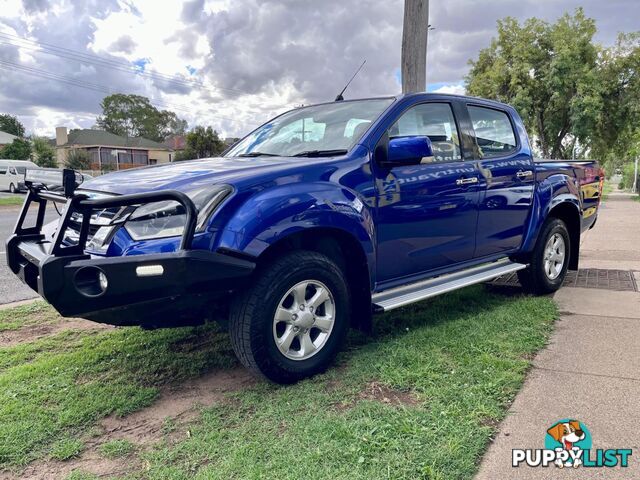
(414, 292)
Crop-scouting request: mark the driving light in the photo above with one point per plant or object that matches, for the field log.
(149, 270)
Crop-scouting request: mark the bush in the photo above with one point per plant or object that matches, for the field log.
(627, 176)
(44, 154)
(78, 160)
(19, 149)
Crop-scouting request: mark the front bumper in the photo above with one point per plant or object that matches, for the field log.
(164, 289)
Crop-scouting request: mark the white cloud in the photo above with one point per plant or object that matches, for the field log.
(453, 89)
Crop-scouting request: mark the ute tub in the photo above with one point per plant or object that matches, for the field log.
(162, 289)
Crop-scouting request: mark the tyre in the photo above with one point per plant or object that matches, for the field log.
(12, 188)
(549, 260)
(292, 321)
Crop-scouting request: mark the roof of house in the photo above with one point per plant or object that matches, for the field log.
(6, 138)
(102, 138)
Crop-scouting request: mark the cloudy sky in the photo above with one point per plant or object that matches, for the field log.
(233, 64)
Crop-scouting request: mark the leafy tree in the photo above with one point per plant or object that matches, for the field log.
(549, 72)
(19, 149)
(202, 142)
(135, 116)
(78, 159)
(10, 124)
(616, 136)
(44, 153)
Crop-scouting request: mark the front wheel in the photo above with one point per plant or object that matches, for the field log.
(12, 188)
(549, 260)
(291, 322)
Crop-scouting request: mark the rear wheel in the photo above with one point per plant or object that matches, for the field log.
(291, 322)
(549, 260)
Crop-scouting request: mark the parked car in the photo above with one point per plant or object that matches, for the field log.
(12, 174)
(311, 223)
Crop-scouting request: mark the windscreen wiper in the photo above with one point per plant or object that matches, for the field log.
(258, 154)
(321, 153)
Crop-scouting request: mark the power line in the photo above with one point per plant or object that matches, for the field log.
(43, 74)
(69, 54)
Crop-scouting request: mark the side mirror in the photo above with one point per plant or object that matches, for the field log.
(409, 150)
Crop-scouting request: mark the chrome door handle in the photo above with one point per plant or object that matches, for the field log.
(466, 181)
(524, 173)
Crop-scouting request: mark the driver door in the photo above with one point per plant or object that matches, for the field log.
(427, 213)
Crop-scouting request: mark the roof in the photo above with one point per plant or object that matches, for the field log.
(176, 142)
(6, 138)
(102, 138)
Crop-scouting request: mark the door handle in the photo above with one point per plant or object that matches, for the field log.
(466, 181)
(524, 173)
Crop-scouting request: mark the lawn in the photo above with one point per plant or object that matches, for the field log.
(11, 201)
(420, 399)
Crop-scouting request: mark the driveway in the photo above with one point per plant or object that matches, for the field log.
(590, 371)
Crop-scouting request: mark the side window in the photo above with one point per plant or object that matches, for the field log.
(3, 170)
(436, 121)
(12, 171)
(494, 132)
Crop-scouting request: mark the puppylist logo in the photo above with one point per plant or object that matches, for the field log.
(568, 444)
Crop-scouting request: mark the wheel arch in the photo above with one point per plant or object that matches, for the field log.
(570, 215)
(346, 251)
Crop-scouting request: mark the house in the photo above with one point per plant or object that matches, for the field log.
(6, 138)
(109, 151)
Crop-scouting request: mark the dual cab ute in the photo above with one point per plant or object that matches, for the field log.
(311, 223)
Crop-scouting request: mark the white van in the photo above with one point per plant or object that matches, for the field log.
(12, 174)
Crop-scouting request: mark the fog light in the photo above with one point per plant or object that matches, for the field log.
(91, 281)
(104, 283)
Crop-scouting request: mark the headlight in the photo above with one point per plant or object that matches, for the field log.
(168, 218)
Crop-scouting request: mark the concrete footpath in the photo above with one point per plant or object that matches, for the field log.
(590, 371)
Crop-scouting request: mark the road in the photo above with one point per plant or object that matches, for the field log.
(12, 289)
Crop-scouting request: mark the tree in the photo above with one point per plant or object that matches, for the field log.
(616, 134)
(10, 124)
(549, 72)
(135, 116)
(44, 153)
(19, 149)
(78, 159)
(201, 143)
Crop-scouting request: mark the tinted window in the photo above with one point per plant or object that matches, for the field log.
(494, 132)
(436, 121)
(3, 170)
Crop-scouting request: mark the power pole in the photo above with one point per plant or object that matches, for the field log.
(634, 189)
(414, 45)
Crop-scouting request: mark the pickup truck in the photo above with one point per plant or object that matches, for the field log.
(310, 224)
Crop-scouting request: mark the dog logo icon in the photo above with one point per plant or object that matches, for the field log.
(570, 436)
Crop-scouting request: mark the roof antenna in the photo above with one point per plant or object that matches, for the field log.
(340, 98)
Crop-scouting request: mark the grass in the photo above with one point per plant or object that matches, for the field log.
(61, 385)
(607, 188)
(30, 314)
(418, 400)
(116, 448)
(11, 201)
(67, 448)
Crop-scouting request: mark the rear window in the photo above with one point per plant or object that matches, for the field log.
(494, 132)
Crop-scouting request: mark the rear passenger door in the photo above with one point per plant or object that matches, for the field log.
(507, 177)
